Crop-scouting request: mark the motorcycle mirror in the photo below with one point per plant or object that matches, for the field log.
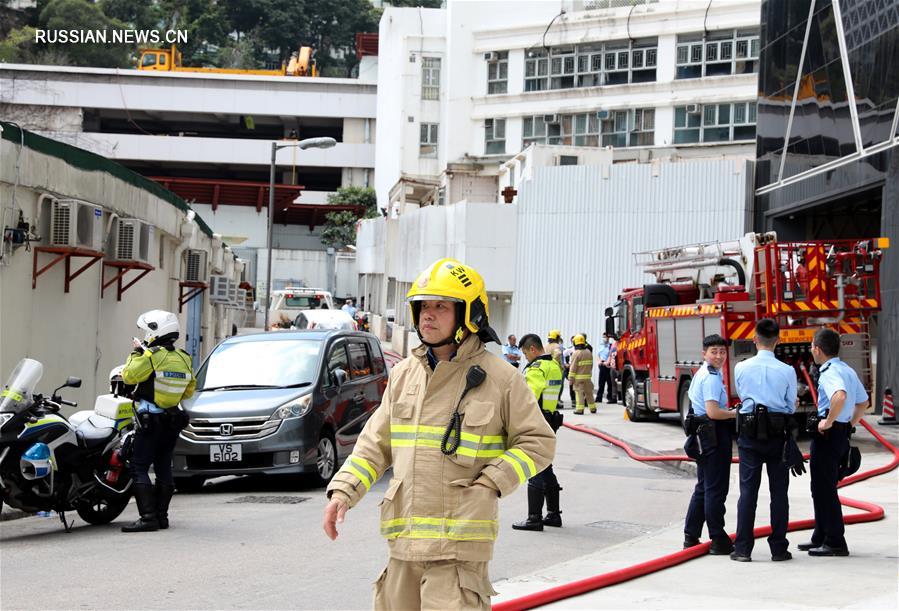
(72, 382)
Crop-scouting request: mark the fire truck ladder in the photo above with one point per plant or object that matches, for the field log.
(706, 263)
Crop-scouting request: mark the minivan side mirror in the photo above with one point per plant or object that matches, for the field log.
(339, 376)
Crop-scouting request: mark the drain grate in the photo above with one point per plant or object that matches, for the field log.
(271, 500)
(622, 526)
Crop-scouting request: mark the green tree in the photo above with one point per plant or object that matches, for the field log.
(413, 3)
(206, 25)
(340, 229)
(83, 16)
(139, 14)
(364, 197)
(18, 45)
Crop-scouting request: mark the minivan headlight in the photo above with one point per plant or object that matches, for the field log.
(295, 409)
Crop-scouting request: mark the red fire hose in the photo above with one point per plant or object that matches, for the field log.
(871, 513)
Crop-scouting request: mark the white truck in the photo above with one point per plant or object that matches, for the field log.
(289, 301)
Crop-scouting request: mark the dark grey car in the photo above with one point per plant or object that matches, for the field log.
(280, 403)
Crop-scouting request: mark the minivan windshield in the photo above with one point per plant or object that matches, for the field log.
(260, 364)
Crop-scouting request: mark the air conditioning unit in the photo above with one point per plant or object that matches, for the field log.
(551, 118)
(219, 287)
(243, 301)
(602, 115)
(195, 265)
(232, 293)
(132, 240)
(694, 109)
(75, 223)
(492, 57)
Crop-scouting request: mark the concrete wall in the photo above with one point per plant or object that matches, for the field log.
(79, 333)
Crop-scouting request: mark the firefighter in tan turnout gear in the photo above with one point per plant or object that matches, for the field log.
(460, 429)
(580, 375)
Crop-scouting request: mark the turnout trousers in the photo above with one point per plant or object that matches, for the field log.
(433, 585)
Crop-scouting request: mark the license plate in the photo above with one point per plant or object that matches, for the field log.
(224, 452)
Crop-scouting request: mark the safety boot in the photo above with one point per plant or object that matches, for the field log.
(534, 520)
(164, 493)
(145, 497)
(553, 513)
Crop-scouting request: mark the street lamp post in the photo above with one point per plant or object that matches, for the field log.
(320, 143)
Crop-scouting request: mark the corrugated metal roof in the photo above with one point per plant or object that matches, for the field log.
(579, 225)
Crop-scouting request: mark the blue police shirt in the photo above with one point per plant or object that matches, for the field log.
(835, 376)
(512, 351)
(604, 351)
(707, 385)
(765, 380)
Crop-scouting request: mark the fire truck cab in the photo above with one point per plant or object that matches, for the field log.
(724, 288)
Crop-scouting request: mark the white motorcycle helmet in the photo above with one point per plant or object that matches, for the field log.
(157, 323)
(117, 384)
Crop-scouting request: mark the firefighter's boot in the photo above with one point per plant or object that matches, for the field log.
(145, 497)
(553, 517)
(535, 511)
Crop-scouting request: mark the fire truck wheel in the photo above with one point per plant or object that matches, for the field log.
(634, 411)
(683, 402)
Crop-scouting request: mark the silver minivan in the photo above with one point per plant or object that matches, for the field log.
(282, 402)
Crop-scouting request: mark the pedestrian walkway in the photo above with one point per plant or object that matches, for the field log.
(868, 577)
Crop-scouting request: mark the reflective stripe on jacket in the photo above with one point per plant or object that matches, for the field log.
(173, 379)
(544, 377)
(435, 506)
(581, 365)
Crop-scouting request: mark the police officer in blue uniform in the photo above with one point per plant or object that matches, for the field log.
(767, 389)
(841, 403)
(712, 422)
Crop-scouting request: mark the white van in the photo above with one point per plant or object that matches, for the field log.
(290, 300)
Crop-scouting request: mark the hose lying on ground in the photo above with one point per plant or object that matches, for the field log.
(870, 513)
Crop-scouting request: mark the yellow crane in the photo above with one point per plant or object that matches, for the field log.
(169, 60)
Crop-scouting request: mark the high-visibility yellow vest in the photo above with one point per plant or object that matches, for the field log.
(544, 377)
(163, 376)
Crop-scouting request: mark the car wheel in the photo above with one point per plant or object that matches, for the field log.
(325, 459)
(189, 484)
(634, 413)
(683, 402)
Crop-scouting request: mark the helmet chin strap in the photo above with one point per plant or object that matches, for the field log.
(449, 340)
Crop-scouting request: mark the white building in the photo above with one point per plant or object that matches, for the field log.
(464, 88)
(208, 138)
(654, 101)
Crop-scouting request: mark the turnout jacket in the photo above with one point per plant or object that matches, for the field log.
(581, 365)
(440, 507)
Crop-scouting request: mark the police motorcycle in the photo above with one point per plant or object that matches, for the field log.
(50, 463)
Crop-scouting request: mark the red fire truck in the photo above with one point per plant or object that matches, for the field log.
(724, 288)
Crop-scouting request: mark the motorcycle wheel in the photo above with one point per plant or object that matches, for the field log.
(104, 508)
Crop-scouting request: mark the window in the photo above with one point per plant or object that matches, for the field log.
(643, 130)
(591, 65)
(619, 128)
(427, 140)
(717, 53)
(377, 356)
(498, 72)
(360, 361)
(430, 78)
(495, 136)
(337, 360)
(714, 122)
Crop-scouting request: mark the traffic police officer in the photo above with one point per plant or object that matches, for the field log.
(842, 401)
(710, 414)
(544, 377)
(580, 374)
(163, 377)
(767, 389)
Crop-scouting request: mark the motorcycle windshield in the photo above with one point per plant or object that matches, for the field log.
(16, 394)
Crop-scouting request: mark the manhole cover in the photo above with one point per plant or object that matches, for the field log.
(622, 526)
(271, 500)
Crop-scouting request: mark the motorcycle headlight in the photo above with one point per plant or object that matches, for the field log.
(295, 409)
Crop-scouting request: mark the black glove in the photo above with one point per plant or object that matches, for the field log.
(792, 457)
